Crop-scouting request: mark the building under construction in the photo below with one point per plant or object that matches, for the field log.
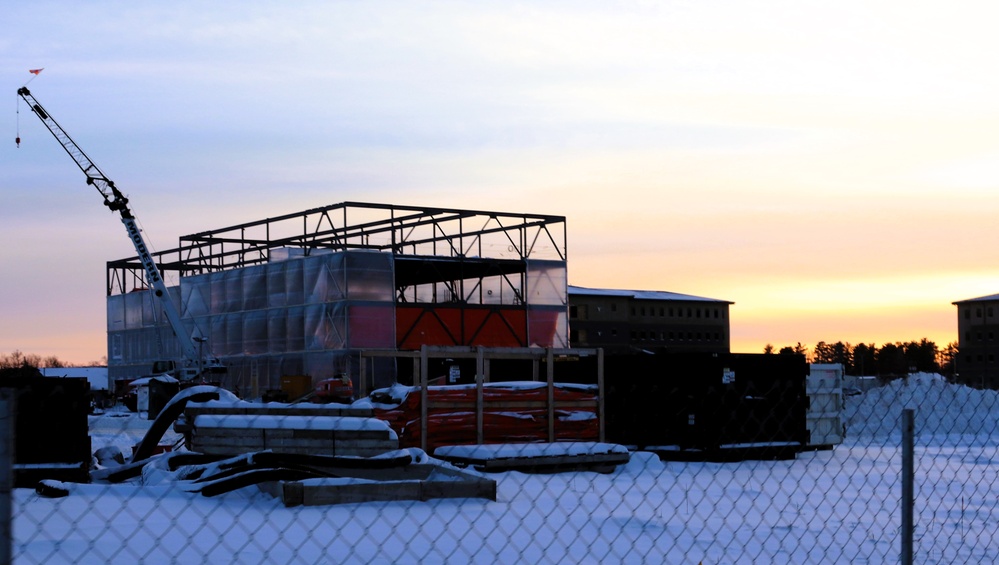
(306, 293)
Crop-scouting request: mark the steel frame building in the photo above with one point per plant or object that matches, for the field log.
(303, 293)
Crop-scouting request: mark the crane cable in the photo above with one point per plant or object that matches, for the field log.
(34, 73)
(17, 139)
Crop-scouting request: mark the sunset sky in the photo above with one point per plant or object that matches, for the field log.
(831, 168)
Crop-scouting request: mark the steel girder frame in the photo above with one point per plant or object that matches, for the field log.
(401, 230)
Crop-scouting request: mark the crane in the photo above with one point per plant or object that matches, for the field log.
(195, 363)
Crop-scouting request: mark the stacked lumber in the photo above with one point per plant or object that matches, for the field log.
(511, 413)
(232, 434)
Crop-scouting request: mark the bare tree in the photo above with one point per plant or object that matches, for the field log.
(17, 359)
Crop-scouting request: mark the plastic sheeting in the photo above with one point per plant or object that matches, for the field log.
(309, 314)
(300, 315)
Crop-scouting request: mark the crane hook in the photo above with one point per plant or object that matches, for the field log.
(17, 140)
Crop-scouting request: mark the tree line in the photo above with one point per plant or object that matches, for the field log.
(18, 360)
(891, 360)
(888, 361)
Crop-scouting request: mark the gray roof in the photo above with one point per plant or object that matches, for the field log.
(641, 294)
(989, 298)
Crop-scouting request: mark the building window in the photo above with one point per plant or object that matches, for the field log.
(613, 333)
(978, 312)
(573, 312)
(613, 307)
(967, 313)
(662, 312)
(990, 311)
(670, 312)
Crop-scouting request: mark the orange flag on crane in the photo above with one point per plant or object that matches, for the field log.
(36, 71)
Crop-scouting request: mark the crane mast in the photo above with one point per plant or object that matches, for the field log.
(117, 202)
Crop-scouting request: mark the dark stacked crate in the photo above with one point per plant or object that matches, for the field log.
(51, 437)
(712, 406)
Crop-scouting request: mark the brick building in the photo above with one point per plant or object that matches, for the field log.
(978, 330)
(628, 321)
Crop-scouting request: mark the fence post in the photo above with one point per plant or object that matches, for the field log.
(908, 479)
(6, 474)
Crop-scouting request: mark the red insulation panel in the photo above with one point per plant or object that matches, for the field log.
(441, 325)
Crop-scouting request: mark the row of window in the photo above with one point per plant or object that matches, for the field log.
(581, 311)
(581, 336)
(980, 358)
(674, 336)
(672, 312)
(978, 312)
(979, 336)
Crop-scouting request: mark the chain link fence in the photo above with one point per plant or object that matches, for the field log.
(842, 504)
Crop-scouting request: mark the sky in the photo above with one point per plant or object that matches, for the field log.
(829, 168)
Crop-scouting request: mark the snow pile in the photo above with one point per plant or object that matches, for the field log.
(941, 408)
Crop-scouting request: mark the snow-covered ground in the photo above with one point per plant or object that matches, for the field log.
(839, 506)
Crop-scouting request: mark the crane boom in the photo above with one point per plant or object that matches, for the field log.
(117, 202)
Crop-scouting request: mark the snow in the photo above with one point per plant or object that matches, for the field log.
(397, 393)
(989, 298)
(835, 506)
(640, 294)
(144, 381)
(943, 412)
(509, 450)
(96, 376)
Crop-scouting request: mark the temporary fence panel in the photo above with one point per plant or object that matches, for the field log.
(824, 388)
(839, 505)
